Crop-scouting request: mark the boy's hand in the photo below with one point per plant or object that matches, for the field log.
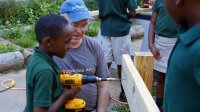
(155, 52)
(64, 72)
(70, 93)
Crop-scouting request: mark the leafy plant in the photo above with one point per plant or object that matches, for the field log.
(26, 12)
(139, 2)
(91, 4)
(6, 48)
(93, 29)
(25, 39)
(7, 10)
(120, 108)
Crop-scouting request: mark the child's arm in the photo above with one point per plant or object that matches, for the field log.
(131, 5)
(67, 94)
(152, 26)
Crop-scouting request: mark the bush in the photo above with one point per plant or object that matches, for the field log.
(25, 39)
(6, 48)
(91, 4)
(139, 2)
(28, 12)
(93, 29)
(8, 10)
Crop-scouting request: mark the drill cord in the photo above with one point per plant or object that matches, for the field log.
(11, 85)
(125, 103)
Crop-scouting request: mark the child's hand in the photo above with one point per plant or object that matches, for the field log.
(155, 52)
(70, 93)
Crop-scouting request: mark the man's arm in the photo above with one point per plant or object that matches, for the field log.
(103, 96)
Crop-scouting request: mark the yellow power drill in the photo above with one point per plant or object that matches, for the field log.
(74, 80)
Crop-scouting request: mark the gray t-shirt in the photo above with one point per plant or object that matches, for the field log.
(87, 59)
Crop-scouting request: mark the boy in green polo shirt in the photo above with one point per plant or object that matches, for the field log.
(43, 89)
(182, 85)
(162, 37)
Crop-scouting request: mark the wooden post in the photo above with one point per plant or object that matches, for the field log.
(138, 96)
(144, 63)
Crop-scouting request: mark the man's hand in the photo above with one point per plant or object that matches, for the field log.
(155, 52)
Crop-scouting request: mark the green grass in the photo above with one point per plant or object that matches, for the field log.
(153, 90)
(4, 48)
(120, 108)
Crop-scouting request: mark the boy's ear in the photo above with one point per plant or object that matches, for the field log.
(47, 41)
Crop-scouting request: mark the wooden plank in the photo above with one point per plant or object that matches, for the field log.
(144, 63)
(138, 96)
(95, 14)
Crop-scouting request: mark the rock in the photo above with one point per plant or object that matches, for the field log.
(137, 32)
(11, 60)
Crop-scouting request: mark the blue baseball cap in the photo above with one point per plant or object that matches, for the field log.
(76, 10)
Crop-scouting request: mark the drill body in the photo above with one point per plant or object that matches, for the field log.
(78, 80)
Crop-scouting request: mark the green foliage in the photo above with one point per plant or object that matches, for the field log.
(6, 48)
(25, 39)
(28, 12)
(153, 90)
(91, 4)
(120, 108)
(93, 29)
(7, 10)
(139, 2)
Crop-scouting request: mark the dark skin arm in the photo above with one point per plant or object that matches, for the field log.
(67, 94)
(152, 26)
(131, 13)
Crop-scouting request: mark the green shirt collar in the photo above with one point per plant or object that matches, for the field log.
(189, 35)
(47, 58)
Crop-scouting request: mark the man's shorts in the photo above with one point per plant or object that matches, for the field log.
(165, 46)
(114, 47)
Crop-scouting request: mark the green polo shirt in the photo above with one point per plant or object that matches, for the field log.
(42, 81)
(165, 26)
(182, 84)
(114, 17)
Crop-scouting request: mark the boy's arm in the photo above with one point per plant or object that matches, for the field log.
(67, 94)
(131, 5)
(42, 99)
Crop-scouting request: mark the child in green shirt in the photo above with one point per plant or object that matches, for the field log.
(44, 91)
(182, 84)
(162, 38)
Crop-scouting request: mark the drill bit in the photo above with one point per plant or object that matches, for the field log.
(108, 79)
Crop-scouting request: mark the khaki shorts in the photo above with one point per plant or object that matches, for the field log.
(165, 46)
(115, 47)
